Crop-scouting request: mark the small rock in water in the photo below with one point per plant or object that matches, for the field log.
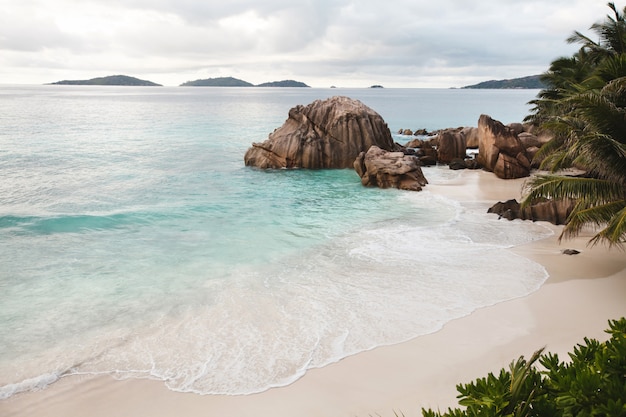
(570, 252)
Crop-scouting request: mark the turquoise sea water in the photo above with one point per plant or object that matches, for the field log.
(135, 243)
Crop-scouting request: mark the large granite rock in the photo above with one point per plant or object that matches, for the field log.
(553, 211)
(529, 140)
(471, 137)
(384, 169)
(324, 134)
(452, 145)
(500, 150)
(508, 167)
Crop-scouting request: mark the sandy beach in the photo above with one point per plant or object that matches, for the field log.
(583, 292)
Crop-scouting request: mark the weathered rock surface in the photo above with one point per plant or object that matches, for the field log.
(508, 167)
(471, 137)
(553, 211)
(385, 169)
(507, 151)
(500, 150)
(420, 143)
(467, 163)
(529, 140)
(452, 145)
(414, 143)
(323, 134)
(516, 128)
(457, 164)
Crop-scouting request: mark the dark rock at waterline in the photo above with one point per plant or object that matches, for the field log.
(428, 160)
(509, 209)
(457, 164)
(553, 211)
(570, 252)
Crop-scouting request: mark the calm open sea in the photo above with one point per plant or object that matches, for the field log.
(134, 242)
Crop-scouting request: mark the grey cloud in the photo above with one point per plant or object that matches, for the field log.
(394, 38)
(207, 12)
(33, 34)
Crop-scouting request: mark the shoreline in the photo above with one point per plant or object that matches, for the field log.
(583, 292)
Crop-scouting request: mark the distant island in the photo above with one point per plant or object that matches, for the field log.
(530, 82)
(218, 82)
(235, 82)
(284, 83)
(110, 80)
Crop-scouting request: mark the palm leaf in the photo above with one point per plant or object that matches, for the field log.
(585, 110)
(599, 113)
(584, 214)
(602, 155)
(575, 188)
(615, 232)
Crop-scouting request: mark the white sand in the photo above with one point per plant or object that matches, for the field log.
(583, 292)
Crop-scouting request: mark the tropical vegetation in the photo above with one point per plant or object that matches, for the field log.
(591, 383)
(584, 109)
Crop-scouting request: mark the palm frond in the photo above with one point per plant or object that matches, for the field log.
(554, 161)
(553, 146)
(586, 214)
(616, 89)
(578, 37)
(602, 155)
(615, 232)
(599, 113)
(611, 68)
(561, 187)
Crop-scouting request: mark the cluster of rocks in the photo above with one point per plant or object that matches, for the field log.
(341, 132)
(506, 150)
(333, 133)
(416, 132)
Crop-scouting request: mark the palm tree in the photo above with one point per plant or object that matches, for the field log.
(584, 108)
(589, 68)
(563, 78)
(591, 136)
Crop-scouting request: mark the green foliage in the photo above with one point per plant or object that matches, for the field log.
(584, 108)
(591, 383)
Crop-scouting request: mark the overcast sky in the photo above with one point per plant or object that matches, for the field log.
(346, 43)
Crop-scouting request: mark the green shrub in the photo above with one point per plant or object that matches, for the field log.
(591, 383)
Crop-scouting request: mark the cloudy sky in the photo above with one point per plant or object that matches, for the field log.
(346, 43)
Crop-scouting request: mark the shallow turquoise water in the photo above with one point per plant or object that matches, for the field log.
(134, 241)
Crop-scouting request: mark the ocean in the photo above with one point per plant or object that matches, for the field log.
(135, 243)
